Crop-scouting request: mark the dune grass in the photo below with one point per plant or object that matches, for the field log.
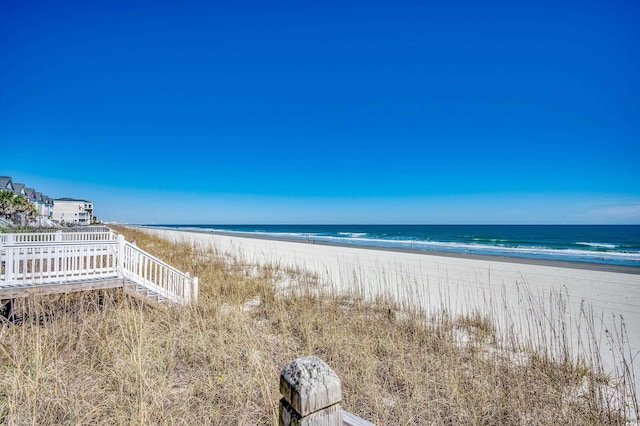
(103, 358)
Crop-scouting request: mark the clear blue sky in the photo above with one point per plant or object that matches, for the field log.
(326, 111)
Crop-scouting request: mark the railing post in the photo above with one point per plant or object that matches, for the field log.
(312, 393)
(8, 261)
(186, 289)
(195, 290)
(120, 254)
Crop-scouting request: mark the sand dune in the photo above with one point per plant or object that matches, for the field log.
(515, 295)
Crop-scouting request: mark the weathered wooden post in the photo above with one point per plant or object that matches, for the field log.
(312, 393)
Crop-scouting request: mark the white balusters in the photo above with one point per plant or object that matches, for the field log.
(40, 258)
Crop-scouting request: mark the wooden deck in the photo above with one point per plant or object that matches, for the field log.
(26, 290)
(65, 262)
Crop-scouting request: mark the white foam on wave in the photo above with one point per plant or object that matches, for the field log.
(492, 249)
(598, 245)
(353, 234)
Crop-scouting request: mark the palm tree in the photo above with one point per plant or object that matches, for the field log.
(7, 204)
(16, 209)
(24, 209)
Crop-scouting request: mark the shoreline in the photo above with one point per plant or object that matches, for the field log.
(588, 266)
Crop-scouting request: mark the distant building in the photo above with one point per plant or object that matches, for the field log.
(6, 184)
(31, 196)
(20, 189)
(44, 207)
(70, 211)
(47, 207)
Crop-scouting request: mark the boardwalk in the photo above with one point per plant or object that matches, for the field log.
(94, 258)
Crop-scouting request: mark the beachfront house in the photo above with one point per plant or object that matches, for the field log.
(47, 207)
(39, 202)
(71, 211)
(44, 209)
(20, 189)
(31, 197)
(6, 184)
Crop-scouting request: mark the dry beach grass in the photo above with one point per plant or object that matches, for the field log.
(79, 359)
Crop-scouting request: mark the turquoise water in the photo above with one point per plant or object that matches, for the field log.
(601, 244)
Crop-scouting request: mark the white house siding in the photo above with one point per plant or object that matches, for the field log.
(72, 212)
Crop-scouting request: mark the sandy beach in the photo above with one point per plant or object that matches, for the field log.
(515, 294)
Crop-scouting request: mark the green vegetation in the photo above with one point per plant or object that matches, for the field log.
(14, 207)
(106, 359)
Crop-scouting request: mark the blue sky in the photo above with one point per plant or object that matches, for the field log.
(326, 112)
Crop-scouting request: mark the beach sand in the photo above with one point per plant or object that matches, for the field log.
(516, 295)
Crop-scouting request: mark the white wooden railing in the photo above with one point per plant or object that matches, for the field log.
(59, 236)
(40, 263)
(156, 275)
(72, 257)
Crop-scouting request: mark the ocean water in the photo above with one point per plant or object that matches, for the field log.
(600, 244)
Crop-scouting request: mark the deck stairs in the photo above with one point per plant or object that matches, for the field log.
(89, 259)
(141, 292)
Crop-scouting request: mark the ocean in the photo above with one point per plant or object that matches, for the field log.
(598, 244)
